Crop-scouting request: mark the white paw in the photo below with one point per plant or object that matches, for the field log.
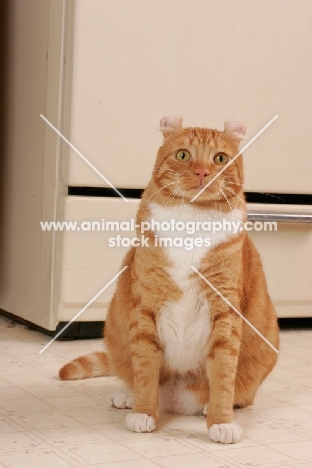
(122, 400)
(225, 433)
(139, 422)
(205, 410)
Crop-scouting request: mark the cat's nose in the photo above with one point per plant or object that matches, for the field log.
(201, 173)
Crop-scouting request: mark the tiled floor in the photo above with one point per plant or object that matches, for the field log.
(47, 423)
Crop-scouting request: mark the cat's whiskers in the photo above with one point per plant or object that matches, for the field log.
(235, 194)
(161, 188)
(180, 194)
(220, 207)
(217, 200)
(176, 194)
(183, 189)
(173, 195)
(169, 197)
(230, 205)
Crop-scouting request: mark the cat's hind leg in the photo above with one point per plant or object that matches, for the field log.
(140, 422)
(205, 410)
(122, 400)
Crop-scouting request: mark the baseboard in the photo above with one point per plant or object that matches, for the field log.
(75, 331)
(89, 330)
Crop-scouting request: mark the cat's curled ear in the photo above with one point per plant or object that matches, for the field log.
(170, 124)
(236, 129)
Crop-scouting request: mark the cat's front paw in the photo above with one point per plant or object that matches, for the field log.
(139, 422)
(225, 433)
(122, 400)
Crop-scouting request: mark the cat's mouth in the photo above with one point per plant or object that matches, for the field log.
(208, 193)
(198, 187)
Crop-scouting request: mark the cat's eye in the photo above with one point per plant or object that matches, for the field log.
(183, 155)
(220, 159)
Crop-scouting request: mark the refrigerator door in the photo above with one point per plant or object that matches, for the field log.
(131, 63)
(287, 257)
(31, 75)
(89, 263)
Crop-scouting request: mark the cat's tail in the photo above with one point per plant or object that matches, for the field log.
(84, 367)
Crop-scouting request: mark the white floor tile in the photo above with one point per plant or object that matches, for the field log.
(257, 456)
(302, 427)
(101, 415)
(56, 389)
(266, 400)
(28, 405)
(269, 434)
(63, 436)
(144, 463)
(7, 425)
(175, 424)
(15, 441)
(152, 447)
(197, 460)
(32, 421)
(306, 407)
(45, 422)
(14, 393)
(300, 451)
(292, 397)
(76, 401)
(106, 451)
(47, 458)
(286, 413)
(29, 379)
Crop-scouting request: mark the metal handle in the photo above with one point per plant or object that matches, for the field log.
(279, 217)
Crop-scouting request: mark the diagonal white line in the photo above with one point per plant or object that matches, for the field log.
(236, 156)
(83, 157)
(84, 308)
(235, 310)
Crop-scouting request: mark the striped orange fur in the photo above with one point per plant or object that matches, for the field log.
(176, 344)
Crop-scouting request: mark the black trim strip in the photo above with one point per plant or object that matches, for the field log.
(104, 192)
(251, 197)
(279, 198)
(296, 323)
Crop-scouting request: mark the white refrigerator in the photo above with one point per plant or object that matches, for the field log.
(104, 73)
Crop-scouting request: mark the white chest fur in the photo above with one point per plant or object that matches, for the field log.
(184, 326)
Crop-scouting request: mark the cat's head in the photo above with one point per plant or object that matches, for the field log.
(190, 158)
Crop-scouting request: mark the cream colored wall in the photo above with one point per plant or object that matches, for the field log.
(206, 60)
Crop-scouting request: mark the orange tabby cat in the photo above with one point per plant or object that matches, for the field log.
(173, 340)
